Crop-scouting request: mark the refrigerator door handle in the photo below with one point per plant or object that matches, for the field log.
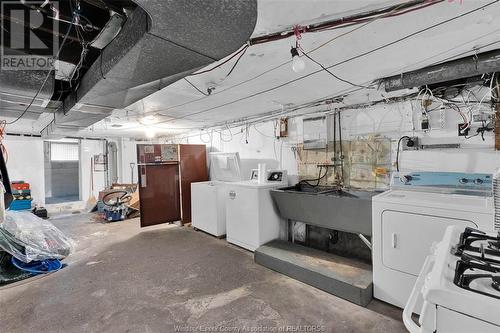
(144, 182)
(158, 163)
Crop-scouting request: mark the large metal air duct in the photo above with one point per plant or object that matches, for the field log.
(457, 69)
(161, 42)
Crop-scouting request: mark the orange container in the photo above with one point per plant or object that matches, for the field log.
(20, 186)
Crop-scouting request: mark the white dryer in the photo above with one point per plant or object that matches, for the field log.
(406, 224)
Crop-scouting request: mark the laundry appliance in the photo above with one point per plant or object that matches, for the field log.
(208, 199)
(251, 216)
(414, 214)
(272, 176)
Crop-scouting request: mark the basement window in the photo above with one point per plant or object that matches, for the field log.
(64, 152)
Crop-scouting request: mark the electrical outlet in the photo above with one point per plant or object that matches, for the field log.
(424, 124)
(481, 117)
(410, 144)
(461, 131)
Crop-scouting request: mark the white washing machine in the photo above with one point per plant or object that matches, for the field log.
(251, 217)
(406, 224)
(208, 199)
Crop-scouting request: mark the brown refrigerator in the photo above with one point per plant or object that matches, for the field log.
(166, 172)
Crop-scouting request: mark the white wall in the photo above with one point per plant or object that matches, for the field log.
(127, 154)
(398, 119)
(388, 120)
(26, 162)
(261, 146)
(89, 148)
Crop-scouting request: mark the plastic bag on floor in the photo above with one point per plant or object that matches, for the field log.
(28, 237)
(10, 273)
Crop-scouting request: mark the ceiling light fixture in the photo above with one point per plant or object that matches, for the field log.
(150, 132)
(56, 13)
(298, 64)
(148, 120)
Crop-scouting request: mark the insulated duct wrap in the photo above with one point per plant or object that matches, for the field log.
(161, 42)
(17, 89)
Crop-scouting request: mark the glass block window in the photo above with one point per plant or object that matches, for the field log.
(64, 152)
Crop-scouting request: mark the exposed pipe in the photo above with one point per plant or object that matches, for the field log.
(345, 21)
(366, 241)
(457, 69)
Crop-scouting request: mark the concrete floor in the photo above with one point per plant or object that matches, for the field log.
(167, 279)
(67, 198)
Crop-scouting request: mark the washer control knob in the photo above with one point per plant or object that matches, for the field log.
(406, 179)
(463, 181)
(478, 181)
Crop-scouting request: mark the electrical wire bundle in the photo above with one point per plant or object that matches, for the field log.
(240, 52)
(391, 11)
(364, 19)
(320, 70)
(360, 20)
(427, 96)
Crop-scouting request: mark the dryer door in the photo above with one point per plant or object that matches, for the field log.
(407, 238)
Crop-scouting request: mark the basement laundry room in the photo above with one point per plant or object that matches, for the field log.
(250, 166)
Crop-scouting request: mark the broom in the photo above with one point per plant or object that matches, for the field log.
(91, 201)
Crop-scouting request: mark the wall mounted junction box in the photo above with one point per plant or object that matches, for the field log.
(410, 144)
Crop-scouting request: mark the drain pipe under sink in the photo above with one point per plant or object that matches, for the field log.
(366, 241)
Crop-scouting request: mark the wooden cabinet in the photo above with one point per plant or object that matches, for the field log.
(165, 176)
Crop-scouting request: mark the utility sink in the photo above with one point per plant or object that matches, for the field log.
(309, 189)
(346, 210)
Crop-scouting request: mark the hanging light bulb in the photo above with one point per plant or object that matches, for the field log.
(150, 132)
(148, 120)
(298, 64)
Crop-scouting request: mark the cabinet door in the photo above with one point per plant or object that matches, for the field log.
(407, 238)
(159, 194)
(193, 166)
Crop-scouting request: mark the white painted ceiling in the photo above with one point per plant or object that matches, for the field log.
(254, 86)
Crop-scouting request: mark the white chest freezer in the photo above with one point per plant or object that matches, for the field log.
(208, 207)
